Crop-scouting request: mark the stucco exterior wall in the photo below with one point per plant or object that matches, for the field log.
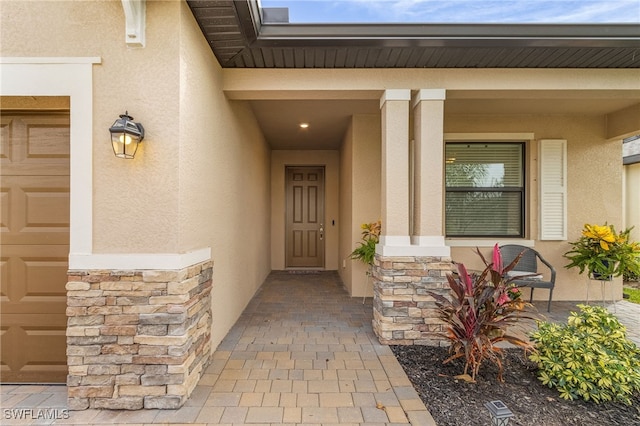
(224, 169)
(331, 161)
(201, 176)
(144, 82)
(346, 244)
(623, 123)
(594, 179)
(632, 199)
(370, 83)
(593, 196)
(364, 198)
(147, 211)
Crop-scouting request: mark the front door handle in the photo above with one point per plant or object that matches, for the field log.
(321, 232)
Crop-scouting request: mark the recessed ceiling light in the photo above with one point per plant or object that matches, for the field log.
(304, 125)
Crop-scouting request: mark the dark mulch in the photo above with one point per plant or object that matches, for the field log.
(457, 403)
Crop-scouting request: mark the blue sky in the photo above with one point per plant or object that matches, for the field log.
(460, 11)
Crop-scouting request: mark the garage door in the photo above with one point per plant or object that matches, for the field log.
(34, 222)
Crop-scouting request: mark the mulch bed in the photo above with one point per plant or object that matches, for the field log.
(458, 403)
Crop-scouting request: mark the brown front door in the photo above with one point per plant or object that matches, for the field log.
(305, 217)
(34, 222)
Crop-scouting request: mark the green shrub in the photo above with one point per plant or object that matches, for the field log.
(589, 357)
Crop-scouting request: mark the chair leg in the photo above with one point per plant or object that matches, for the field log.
(531, 295)
(549, 304)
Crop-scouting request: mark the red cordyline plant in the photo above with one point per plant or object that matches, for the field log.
(482, 307)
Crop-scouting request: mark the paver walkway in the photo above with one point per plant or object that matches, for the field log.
(302, 353)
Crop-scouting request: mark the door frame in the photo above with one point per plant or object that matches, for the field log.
(72, 77)
(331, 162)
(322, 221)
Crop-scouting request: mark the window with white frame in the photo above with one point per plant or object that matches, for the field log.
(485, 191)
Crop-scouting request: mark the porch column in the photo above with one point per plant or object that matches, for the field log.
(407, 269)
(428, 114)
(394, 105)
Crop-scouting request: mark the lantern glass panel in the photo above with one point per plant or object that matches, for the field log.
(124, 145)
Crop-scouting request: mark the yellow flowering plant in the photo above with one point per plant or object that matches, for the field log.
(366, 249)
(604, 252)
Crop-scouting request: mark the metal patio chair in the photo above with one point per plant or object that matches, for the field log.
(527, 269)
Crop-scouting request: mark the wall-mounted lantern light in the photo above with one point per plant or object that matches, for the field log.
(125, 136)
(500, 414)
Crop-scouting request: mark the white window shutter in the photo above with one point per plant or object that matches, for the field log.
(552, 159)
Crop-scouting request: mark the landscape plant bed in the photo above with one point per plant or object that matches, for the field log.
(455, 402)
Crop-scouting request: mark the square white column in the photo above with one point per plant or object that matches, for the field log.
(428, 114)
(394, 105)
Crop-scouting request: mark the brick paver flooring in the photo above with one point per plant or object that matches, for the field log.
(302, 353)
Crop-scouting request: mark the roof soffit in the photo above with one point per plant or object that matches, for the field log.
(239, 39)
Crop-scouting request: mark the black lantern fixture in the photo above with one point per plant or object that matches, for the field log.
(125, 136)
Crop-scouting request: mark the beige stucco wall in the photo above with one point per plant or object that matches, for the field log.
(360, 195)
(224, 192)
(594, 182)
(143, 81)
(587, 134)
(623, 123)
(632, 199)
(331, 161)
(593, 196)
(201, 176)
(370, 83)
(346, 244)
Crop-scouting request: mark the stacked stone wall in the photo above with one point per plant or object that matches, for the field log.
(403, 311)
(137, 339)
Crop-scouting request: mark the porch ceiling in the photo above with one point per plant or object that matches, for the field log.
(329, 119)
(239, 39)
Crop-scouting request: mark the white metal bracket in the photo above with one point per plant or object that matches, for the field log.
(135, 22)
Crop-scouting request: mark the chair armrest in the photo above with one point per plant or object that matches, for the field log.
(523, 275)
(551, 268)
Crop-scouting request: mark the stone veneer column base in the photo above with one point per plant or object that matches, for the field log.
(403, 312)
(137, 339)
